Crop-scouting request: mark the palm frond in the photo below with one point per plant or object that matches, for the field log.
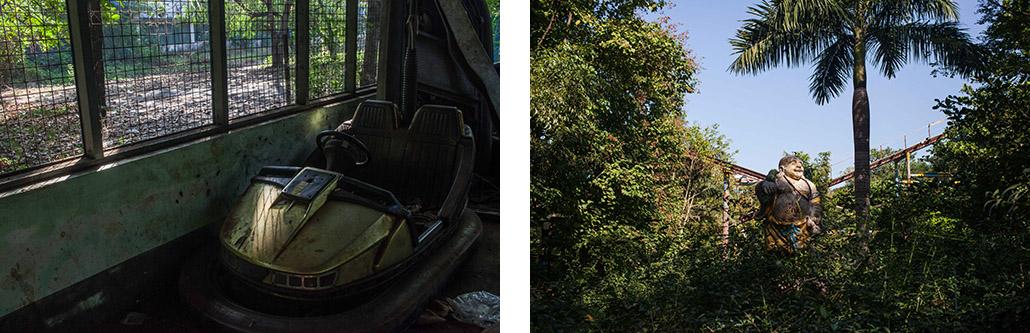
(780, 34)
(945, 44)
(895, 12)
(832, 69)
(889, 48)
(796, 12)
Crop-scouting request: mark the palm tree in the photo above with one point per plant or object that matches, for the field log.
(838, 36)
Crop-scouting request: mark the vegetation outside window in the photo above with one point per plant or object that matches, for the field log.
(261, 56)
(368, 41)
(328, 49)
(39, 119)
(154, 71)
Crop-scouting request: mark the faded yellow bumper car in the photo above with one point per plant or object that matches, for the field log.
(362, 240)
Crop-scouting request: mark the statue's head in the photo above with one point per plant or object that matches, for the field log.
(791, 166)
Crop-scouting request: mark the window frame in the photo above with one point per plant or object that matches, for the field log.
(94, 155)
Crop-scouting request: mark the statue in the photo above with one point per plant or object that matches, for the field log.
(790, 209)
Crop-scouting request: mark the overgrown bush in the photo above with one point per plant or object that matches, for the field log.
(327, 73)
(626, 218)
(931, 273)
(618, 179)
(988, 144)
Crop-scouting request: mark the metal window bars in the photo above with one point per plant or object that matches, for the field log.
(328, 34)
(261, 59)
(156, 69)
(80, 77)
(39, 119)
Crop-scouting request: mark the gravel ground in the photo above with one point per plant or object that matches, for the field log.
(41, 124)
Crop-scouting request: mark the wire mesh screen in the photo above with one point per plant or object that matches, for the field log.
(39, 120)
(156, 69)
(328, 33)
(368, 41)
(260, 53)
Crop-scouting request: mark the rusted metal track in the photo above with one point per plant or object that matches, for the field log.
(751, 176)
(893, 157)
(747, 175)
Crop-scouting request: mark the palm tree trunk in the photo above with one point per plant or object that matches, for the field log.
(860, 129)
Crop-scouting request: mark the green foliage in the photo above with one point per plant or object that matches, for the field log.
(839, 37)
(988, 145)
(33, 24)
(328, 27)
(327, 74)
(615, 187)
(35, 37)
(39, 24)
(933, 273)
(625, 223)
(557, 21)
(835, 36)
(250, 19)
(494, 6)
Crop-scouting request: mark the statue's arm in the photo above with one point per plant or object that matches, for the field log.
(817, 205)
(817, 197)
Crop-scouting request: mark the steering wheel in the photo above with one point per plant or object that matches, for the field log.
(354, 147)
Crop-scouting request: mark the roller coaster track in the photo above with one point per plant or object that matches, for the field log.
(746, 175)
(893, 157)
(750, 176)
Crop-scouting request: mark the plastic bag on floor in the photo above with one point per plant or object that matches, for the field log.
(478, 308)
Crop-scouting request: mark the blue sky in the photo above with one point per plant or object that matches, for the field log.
(772, 112)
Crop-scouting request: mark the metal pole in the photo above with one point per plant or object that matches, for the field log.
(219, 63)
(897, 180)
(385, 26)
(79, 20)
(725, 212)
(351, 47)
(908, 163)
(303, 28)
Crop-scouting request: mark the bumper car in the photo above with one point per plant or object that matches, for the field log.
(359, 242)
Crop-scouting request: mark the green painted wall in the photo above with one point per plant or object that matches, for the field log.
(64, 231)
